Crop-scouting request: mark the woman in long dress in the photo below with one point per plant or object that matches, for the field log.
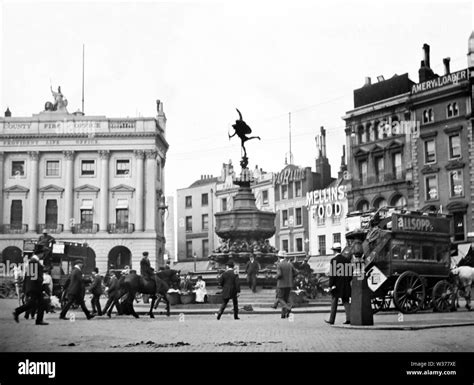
(200, 290)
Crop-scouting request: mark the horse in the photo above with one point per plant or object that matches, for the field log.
(242, 130)
(132, 283)
(464, 278)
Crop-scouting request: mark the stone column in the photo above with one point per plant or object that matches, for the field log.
(33, 169)
(2, 202)
(150, 194)
(69, 191)
(140, 197)
(104, 190)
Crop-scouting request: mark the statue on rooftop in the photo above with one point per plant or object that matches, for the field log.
(60, 103)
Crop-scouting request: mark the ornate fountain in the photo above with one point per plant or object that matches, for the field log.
(244, 230)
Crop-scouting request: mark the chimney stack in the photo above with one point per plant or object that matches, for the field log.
(446, 65)
(323, 141)
(368, 81)
(8, 114)
(426, 49)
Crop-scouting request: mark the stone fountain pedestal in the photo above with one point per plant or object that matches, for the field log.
(245, 229)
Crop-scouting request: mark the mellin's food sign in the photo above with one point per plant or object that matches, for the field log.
(326, 203)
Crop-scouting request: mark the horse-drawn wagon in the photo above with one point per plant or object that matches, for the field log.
(407, 260)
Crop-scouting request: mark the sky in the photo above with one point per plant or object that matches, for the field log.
(203, 59)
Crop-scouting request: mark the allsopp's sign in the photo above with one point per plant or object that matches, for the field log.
(441, 81)
(421, 224)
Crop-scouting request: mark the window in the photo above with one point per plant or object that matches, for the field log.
(205, 222)
(52, 168)
(430, 151)
(122, 167)
(299, 218)
(431, 187)
(87, 167)
(454, 146)
(363, 171)
(224, 204)
(299, 244)
(284, 191)
(380, 202)
(284, 218)
(322, 244)
(204, 199)
(51, 213)
(298, 189)
(205, 248)
(379, 169)
(18, 168)
(336, 237)
(321, 221)
(363, 206)
(456, 183)
(265, 197)
(16, 214)
(452, 110)
(121, 218)
(360, 134)
(428, 116)
(189, 249)
(399, 250)
(189, 201)
(86, 217)
(189, 223)
(428, 252)
(412, 251)
(397, 165)
(284, 245)
(458, 220)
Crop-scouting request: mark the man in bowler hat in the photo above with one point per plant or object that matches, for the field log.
(286, 274)
(339, 284)
(229, 281)
(75, 291)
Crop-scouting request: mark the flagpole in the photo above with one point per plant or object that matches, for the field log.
(83, 49)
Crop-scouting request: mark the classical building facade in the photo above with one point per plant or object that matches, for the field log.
(86, 179)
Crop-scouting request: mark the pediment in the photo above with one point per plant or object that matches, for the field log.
(457, 206)
(87, 189)
(360, 152)
(122, 189)
(16, 189)
(376, 148)
(395, 144)
(51, 188)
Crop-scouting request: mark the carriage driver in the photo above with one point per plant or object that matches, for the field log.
(147, 272)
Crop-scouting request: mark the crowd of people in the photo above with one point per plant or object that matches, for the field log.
(38, 290)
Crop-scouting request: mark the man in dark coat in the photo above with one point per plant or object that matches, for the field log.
(113, 294)
(339, 283)
(96, 290)
(229, 281)
(33, 287)
(75, 292)
(251, 268)
(148, 272)
(46, 242)
(286, 274)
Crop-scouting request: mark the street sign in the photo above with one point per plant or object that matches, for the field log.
(375, 278)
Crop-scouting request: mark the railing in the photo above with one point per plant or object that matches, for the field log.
(121, 228)
(85, 228)
(50, 228)
(14, 228)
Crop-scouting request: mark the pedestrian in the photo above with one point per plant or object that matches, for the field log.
(75, 291)
(229, 281)
(96, 291)
(148, 272)
(46, 241)
(339, 284)
(113, 294)
(252, 268)
(33, 288)
(285, 278)
(200, 290)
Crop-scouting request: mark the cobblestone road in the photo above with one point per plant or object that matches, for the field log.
(203, 333)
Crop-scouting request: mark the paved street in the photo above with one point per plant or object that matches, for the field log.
(253, 333)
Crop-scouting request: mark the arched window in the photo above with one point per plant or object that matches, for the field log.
(380, 202)
(363, 206)
(399, 201)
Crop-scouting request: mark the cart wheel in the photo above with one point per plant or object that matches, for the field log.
(409, 292)
(443, 296)
(380, 303)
